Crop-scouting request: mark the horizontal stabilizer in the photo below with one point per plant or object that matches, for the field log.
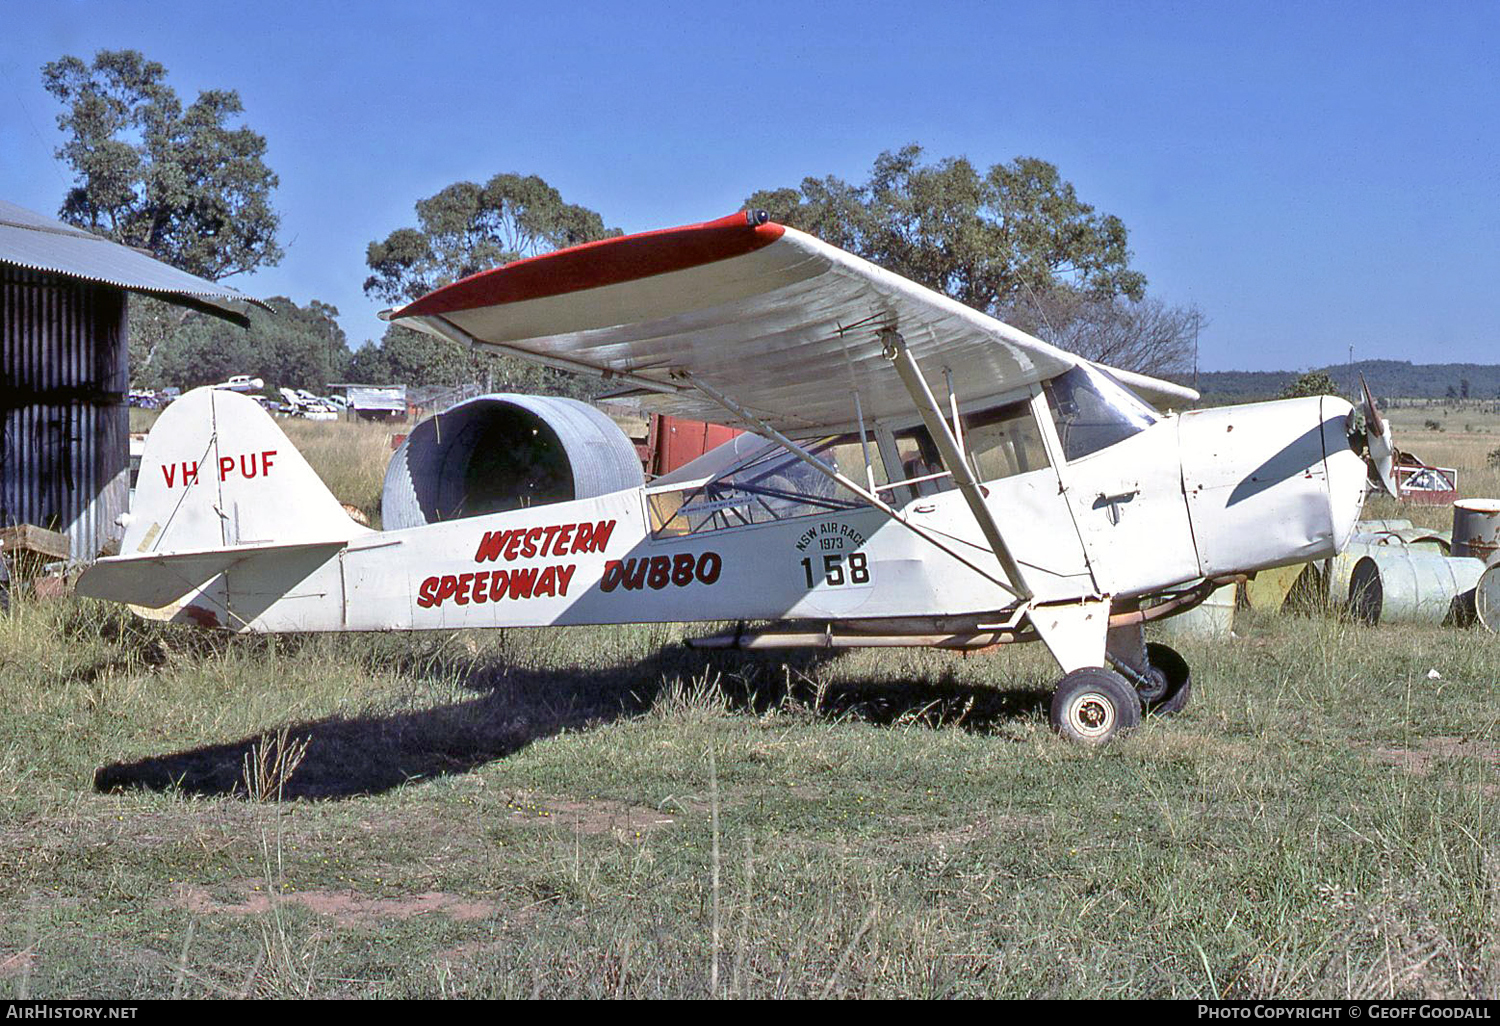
(156, 580)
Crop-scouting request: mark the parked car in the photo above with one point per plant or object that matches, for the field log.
(302, 403)
(242, 383)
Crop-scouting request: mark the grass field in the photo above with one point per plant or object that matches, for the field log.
(600, 812)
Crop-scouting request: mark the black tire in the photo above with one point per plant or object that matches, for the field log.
(1093, 706)
(1178, 678)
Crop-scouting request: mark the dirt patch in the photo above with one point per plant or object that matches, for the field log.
(594, 817)
(344, 907)
(1006, 825)
(1419, 759)
(18, 964)
(1414, 762)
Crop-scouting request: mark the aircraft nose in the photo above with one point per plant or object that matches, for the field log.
(1256, 482)
(1347, 474)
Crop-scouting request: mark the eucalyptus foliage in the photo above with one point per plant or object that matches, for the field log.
(461, 230)
(467, 228)
(185, 183)
(288, 345)
(983, 238)
(1014, 241)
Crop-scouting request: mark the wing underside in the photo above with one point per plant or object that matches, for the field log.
(790, 326)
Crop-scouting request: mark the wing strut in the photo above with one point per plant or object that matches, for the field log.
(952, 454)
(832, 473)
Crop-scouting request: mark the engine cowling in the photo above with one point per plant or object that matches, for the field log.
(503, 452)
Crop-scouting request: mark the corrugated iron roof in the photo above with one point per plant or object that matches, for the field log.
(29, 239)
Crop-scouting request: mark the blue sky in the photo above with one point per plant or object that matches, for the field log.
(1311, 175)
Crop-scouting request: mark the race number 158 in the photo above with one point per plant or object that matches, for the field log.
(838, 570)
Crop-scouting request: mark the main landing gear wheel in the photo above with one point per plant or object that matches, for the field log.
(1093, 705)
(1168, 667)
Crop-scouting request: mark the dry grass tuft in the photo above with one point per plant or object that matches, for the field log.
(270, 763)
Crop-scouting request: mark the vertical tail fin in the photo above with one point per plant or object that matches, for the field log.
(217, 473)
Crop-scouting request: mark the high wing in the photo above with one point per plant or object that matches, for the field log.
(788, 325)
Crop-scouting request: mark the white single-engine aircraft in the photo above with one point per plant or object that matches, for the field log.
(1041, 497)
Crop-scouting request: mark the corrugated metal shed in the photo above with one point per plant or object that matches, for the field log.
(62, 379)
(389, 400)
(28, 239)
(64, 375)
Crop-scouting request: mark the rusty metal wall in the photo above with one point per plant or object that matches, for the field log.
(64, 454)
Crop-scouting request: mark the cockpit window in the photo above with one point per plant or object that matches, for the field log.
(759, 482)
(1094, 411)
(1004, 442)
(1000, 442)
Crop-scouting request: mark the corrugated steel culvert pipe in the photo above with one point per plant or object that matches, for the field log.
(504, 452)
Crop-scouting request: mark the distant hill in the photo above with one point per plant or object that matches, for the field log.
(1387, 378)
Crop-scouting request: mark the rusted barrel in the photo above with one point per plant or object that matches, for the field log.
(1214, 618)
(1487, 598)
(1399, 585)
(1476, 528)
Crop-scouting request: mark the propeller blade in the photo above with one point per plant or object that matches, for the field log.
(1378, 439)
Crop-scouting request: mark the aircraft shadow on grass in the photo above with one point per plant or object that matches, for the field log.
(351, 756)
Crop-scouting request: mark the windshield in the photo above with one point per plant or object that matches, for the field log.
(1094, 411)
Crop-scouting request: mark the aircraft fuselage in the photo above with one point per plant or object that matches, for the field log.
(1198, 495)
